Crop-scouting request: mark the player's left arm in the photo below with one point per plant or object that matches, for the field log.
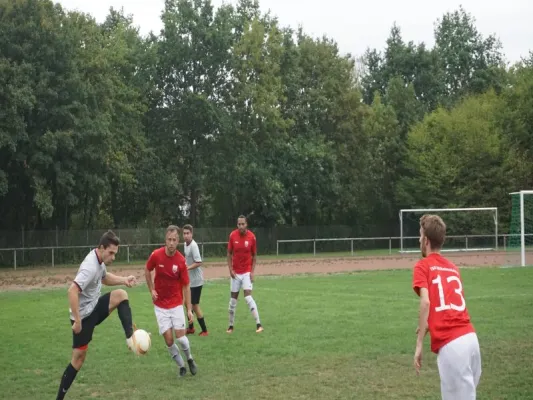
(115, 280)
(254, 257)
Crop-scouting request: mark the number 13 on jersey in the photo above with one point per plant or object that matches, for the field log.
(452, 282)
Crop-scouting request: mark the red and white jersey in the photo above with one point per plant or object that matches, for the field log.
(171, 275)
(243, 247)
(448, 316)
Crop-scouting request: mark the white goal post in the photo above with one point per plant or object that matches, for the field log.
(522, 211)
(421, 211)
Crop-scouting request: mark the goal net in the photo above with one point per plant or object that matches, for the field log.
(467, 229)
(519, 242)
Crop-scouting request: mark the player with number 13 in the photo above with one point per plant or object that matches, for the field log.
(444, 314)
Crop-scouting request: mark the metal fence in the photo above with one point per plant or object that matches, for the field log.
(139, 252)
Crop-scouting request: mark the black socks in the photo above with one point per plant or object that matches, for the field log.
(124, 313)
(68, 377)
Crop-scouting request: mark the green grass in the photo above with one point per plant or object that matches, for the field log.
(340, 336)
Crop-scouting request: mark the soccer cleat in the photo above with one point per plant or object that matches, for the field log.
(203, 334)
(183, 371)
(192, 366)
(230, 329)
(129, 341)
(190, 331)
(259, 329)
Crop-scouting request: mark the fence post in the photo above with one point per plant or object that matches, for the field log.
(351, 246)
(277, 247)
(53, 262)
(314, 247)
(15, 259)
(466, 242)
(202, 250)
(128, 252)
(504, 244)
(390, 245)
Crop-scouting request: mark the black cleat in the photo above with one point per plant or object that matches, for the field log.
(192, 366)
(183, 371)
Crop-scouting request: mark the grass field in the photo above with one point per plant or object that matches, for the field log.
(344, 336)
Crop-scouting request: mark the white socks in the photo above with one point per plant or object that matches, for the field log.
(232, 306)
(175, 354)
(253, 308)
(184, 344)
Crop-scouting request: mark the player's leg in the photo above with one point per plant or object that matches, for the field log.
(164, 321)
(247, 286)
(455, 369)
(80, 343)
(476, 360)
(178, 322)
(118, 299)
(194, 300)
(235, 287)
(196, 293)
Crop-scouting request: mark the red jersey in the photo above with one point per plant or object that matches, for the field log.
(448, 317)
(243, 248)
(171, 275)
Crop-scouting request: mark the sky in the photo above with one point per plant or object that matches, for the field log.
(356, 26)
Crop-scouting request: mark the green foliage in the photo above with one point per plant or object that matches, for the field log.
(226, 112)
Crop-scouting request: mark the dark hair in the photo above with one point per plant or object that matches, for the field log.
(108, 239)
(242, 216)
(187, 227)
(434, 228)
(172, 228)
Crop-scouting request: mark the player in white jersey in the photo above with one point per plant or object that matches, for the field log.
(89, 309)
(196, 276)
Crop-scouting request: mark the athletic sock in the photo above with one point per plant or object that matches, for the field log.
(191, 326)
(124, 313)
(201, 321)
(253, 308)
(184, 343)
(176, 356)
(232, 307)
(68, 377)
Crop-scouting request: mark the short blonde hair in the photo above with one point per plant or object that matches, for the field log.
(434, 228)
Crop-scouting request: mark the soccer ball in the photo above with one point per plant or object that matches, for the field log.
(141, 342)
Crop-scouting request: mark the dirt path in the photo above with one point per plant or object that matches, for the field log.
(25, 279)
(34, 278)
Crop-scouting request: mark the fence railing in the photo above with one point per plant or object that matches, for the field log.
(467, 240)
(128, 253)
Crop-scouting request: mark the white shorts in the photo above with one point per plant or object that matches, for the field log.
(460, 368)
(241, 281)
(169, 318)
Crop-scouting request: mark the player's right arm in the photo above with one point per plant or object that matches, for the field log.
(84, 276)
(150, 265)
(420, 286)
(74, 301)
(230, 257)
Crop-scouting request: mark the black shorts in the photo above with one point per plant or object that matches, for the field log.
(98, 315)
(196, 292)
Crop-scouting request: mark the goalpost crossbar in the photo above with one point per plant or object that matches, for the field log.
(457, 209)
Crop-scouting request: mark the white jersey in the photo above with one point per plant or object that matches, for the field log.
(89, 280)
(192, 255)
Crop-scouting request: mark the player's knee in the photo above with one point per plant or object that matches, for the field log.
(232, 304)
(247, 293)
(120, 295)
(179, 333)
(196, 308)
(78, 358)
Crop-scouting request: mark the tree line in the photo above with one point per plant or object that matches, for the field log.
(226, 112)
